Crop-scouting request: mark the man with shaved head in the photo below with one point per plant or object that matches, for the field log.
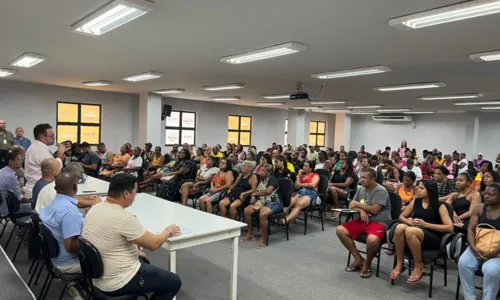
(51, 167)
(65, 222)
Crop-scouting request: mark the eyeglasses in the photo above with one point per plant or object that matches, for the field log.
(50, 136)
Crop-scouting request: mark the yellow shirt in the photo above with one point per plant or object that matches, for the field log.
(440, 161)
(290, 167)
(219, 155)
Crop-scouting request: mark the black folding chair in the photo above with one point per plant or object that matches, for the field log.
(309, 211)
(429, 256)
(21, 220)
(285, 190)
(395, 212)
(93, 268)
(50, 250)
(323, 172)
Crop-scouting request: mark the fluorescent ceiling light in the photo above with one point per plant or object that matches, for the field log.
(364, 106)
(225, 98)
(233, 86)
(413, 86)
(283, 96)
(6, 72)
(335, 110)
(270, 103)
(96, 83)
(451, 97)
(418, 112)
(169, 91)
(264, 53)
(485, 56)
(478, 103)
(143, 76)
(491, 107)
(111, 16)
(393, 110)
(28, 60)
(452, 13)
(363, 113)
(305, 107)
(327, 102)
(353, 72)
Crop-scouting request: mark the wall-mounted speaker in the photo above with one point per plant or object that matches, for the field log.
(167, 110)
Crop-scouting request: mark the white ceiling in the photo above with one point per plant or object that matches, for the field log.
(186, 38)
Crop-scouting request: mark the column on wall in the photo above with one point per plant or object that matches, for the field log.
(342, 131)
(151, 126)
(297, 127)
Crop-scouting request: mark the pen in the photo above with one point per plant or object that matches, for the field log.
(88, 191)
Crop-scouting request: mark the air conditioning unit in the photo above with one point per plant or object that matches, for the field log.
(392, 118)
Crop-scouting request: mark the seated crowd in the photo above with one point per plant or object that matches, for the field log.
(245, 185)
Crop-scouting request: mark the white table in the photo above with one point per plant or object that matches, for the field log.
(93, 186)
(155, 214)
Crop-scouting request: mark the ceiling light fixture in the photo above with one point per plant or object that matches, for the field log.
(451, 97)
(364, 106)
(233, 86)
(418, 112)
(352, 72)
(225, 98)
(111, 16)
(169, 91)
(452, 13)
(327, 102)
(27, 60)
(305, 107)
(143, 76)
(486, 56)
(388, 110)
(335, 110)
(283, 96)
(413, 86)
(270, 103)
(264, 53)
(491, 107)
(6, 72)
(477, 103)
(363, 113)
(96, 83)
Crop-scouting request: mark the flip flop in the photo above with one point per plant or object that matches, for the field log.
(260, 246)
(366, 274)
(353, 268)
(414, 280)
(246, 238)
(395, 276)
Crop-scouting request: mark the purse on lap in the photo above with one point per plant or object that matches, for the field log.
(487, 237)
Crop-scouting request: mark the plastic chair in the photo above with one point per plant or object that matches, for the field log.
(21, 220)
(308, 211)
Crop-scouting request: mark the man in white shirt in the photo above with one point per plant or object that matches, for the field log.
(39, 150)
(410, 166)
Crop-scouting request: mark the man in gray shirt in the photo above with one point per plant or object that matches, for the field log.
(89, 160)
(374, 207)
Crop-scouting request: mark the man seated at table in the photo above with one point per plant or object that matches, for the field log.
(48, 193)
(65, 222)
(8, 181)
(51, 167)
(374, 207)
(117, 233)
(89, 160)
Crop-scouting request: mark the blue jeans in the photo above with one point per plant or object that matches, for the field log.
(162, 283)
(467, 267)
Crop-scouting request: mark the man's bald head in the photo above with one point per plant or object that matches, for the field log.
(50, 168)
(67, 184)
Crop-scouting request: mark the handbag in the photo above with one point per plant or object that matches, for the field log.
(487, 237)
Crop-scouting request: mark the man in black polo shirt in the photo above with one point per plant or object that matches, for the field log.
(280, 169)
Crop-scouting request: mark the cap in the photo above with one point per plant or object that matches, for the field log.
(480, 153)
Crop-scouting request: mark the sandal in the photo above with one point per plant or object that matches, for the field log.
(366, 274)
(335, 215)
(353, 268)
(248, 238)
(414, 279)
(260, 246)
(394, 275)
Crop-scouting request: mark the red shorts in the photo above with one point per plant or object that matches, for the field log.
(357, 227)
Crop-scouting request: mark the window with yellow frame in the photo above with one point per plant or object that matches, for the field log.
(317, 131)
(78, 122)
(239, 130)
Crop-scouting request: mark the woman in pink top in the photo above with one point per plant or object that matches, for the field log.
(402, 149)
(397, 161)
(450, 165)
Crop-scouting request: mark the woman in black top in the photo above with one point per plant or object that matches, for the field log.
(342, 180)
(463, 201)
(243, 187)
(473, 258)
(422, 224)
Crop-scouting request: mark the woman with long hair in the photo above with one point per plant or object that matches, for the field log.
(488, 178)
(221, 182)
(422, 224)
(307, 183)
(265, 159)
(463, 201)
(402, 149)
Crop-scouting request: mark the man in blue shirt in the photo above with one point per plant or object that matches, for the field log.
(65, 222)
(20, 140)
(8, 181)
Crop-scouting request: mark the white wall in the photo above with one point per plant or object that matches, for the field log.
(268, 124)
(447, 132)
(27, 104)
